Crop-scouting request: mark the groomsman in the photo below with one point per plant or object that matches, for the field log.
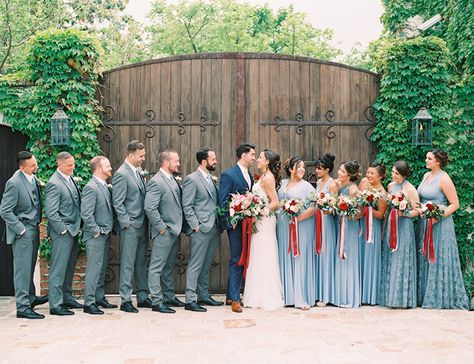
(21, 210)
(63, 210)
(200, 197)
(128, 196)
(163, 208)
(235, 179)
(97, 214)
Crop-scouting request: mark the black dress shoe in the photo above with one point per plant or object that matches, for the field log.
(60, 311)
(161, 307)
(175, 303)
(210, 302)
(93, 309)
(72, 304)
(128, 307)
(29, 314)
(39, 301)
(146, 303)
(105, 304)
(193, 306)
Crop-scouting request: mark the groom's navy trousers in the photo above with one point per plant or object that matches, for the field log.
(232, 181)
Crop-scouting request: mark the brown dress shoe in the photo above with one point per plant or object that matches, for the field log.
(236, 306)
(228, 302)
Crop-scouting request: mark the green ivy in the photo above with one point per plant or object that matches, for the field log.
(416, 73)
(63, 70)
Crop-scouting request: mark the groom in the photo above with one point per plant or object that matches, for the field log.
(233, 180)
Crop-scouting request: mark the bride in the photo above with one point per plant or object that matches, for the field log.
(262, 286)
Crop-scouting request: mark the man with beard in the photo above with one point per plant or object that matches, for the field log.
(165, 214)
(200, 198)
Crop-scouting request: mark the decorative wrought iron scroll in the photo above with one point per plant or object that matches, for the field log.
(151, 122)
(329, 116)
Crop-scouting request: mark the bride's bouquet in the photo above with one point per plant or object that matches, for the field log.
(322, 201)
(247, 206)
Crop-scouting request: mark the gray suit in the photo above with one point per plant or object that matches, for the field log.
(21, 210)
(163, 208)
(128, 195)
(64, 221)
(200, 199)
(98, 217)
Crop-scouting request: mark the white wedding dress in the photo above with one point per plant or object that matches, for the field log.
(263, 286)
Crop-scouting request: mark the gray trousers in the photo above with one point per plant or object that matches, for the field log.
(203, 246)
(25, 253)
(97, 256)
(61, 271)
(133, 244)
(160, 273)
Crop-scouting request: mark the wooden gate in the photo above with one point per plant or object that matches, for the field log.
(292, 105)
(10, 144)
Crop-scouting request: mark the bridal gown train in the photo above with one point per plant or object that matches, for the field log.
(262, 285)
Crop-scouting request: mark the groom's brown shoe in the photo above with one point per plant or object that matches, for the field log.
(236, 307)
(228, 302)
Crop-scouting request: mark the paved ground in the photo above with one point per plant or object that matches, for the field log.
(320, 335)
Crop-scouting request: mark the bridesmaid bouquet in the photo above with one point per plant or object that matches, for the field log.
(292, 207)
(346, 206)
(399, 201)
(370, 197)
(322, 201)
(432, 210)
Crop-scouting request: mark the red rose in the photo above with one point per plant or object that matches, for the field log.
(322, 195)
(430, 206)
(370, 198)
(394, 197)
(400, 198)
(256, 177)
(238, 208)
(343, 206)
(293, 203)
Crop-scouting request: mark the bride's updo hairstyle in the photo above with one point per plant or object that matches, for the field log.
(292, 163)
(274, 165)
(326, 162)
(352, 168)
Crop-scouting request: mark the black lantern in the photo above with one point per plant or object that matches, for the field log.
(422, 128)
(60, 128)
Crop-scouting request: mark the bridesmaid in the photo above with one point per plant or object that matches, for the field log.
(327, 259)
(398, 287)
(371, 251)
(347, 270)
(297, 273)
(440, 283)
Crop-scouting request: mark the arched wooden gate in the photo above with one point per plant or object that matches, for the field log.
(293, 105)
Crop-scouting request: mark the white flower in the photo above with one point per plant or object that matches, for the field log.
(231, 212)
(77, 179)
(403, 205)
(109, 186)
(143, 172)
(40, 182)
(178, 178)
(214, 178)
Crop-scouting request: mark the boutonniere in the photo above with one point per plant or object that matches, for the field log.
(143, 172)
(40, 183)
(109, 186)
(77, 179)
(178, 179)
(214, 178)
(256, 177)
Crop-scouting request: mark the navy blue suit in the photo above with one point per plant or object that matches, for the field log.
(233, 181)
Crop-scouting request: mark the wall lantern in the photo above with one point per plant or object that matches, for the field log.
(422, 128)
(60, 128)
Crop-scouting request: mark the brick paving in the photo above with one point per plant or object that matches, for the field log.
(319, 335)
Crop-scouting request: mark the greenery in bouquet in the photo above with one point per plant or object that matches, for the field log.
(369, 197)
(247, 205)
(432, 210)
(292, 207)
(399, 201)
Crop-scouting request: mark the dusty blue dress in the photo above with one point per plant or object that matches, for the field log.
(440, 284)
(347, 271)
(398, 286)
(326, 261)
(297, 274)
(371, 255)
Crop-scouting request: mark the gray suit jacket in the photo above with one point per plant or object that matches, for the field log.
(17, 207)
(163, 206)
(62, 206)
(128, 197)
(96, 209)
(199, 202)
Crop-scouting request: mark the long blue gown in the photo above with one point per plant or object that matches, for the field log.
(441, 283)
(371, 254)
(347, 271)
(297, 274)
(398, 286)
(326, 261)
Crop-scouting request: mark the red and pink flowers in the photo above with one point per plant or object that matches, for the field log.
(399, 201)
